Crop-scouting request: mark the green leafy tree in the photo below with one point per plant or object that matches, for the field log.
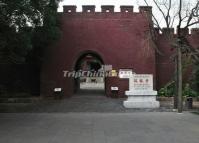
(26, 25)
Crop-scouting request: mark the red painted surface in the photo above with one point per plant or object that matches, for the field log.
(119, 38)
(165, 62)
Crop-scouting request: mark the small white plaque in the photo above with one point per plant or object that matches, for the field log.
(57, 89)
(125, 73)
(114, 88)
(107, 67)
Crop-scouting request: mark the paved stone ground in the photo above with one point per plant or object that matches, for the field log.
(86, 118)
(85, 101)
(143, 127)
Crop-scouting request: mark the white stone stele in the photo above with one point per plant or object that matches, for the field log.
(141, 95)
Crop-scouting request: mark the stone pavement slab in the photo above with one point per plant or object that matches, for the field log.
(78, 103)
(138, 127)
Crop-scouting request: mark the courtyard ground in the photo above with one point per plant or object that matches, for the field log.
(137, 127)
(93, 118)
(84, 101)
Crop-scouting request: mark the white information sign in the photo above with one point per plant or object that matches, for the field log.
(57, 89)
(141, 82)
(114, 88)
(125, 73)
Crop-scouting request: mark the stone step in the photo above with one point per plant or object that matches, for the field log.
(20, 100)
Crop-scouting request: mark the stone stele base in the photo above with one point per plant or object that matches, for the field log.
(141, 101)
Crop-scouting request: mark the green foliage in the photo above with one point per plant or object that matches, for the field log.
(189, 92)
(167, 90)
(19, 24)
(196, 77)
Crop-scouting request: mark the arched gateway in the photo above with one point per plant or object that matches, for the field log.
(89, 66)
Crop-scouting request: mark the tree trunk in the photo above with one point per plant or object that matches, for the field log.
(179, 82)
(175, 104)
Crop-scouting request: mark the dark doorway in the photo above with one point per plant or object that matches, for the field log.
(90, 84)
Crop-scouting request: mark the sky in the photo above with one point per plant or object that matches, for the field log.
(117, 3)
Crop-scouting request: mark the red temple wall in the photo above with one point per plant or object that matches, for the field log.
(119, 38)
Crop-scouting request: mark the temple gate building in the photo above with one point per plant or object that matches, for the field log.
(122, 40)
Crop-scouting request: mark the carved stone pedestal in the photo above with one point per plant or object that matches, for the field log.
(147, 100)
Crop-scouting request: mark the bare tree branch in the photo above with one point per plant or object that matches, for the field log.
(155, 19)
(168, 13)
(180, 43)
(180, 15)
(194, 13)
(162, 12)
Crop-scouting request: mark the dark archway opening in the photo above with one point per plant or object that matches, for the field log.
(91, 63)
